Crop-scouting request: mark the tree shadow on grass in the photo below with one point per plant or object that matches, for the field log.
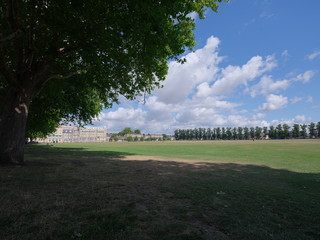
(103, 195)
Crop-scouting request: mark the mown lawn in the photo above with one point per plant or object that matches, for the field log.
(164, 190)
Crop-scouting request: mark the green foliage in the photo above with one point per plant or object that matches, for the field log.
(286, 131)
(278, 132)
(137, 131)
(76, 57)
(246, 133)
(258, 132)
(303, 131)
(115, 137)
(165, 137)
(252, 133)
(129, 139)
(272, 132)
(125, 131)
(312, 130)
(296, 131)
(240, 133)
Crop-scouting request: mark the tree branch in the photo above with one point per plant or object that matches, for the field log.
(41, 85)
(11, 13)
(62, 51)
(11, 36)
(59, 76)
(8, 75)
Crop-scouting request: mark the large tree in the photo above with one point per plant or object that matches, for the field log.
(110, 48)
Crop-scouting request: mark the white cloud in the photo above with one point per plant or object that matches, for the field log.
(274, 102)
(285, 53)
(193, 15)
(313, 55)
(266, 15)
(199, 93)
(120, 118)
(234, 76)
(296, 99)
(258, 116)
(309, 99)
(267, 85)
(201, 66)
(304, 77)
(299, 119)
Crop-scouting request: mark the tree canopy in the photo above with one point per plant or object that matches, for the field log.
(69, 59)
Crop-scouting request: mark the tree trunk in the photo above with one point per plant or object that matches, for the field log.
(13, 126)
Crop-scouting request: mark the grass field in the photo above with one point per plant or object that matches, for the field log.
(164, 190)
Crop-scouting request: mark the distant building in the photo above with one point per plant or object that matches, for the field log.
(65, 134)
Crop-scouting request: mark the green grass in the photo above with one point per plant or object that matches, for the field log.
(294, 155)
(222, 190)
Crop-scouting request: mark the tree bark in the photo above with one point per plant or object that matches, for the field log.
(13, 125)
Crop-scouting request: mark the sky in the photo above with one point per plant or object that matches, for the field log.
(256, 63)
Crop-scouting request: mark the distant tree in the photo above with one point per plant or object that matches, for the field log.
(318, 129)
(312, 130)
(219, 137)
(265, 132)
(125, 131)
(286, 131)
(137, 131)
(165, 137)
(223, 133)
(252, 133)
(303, 131)
(258, 132)
(240, 135)
(234, 133)
(246, 133)
(115, 137)
(272, 132)
(209, 134)
(279, 131)
(176, 134)
(129, 139)
(296, 131)
(214, 134)
(228, 133)
(136, 139)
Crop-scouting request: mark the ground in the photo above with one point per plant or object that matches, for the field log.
(66, 192)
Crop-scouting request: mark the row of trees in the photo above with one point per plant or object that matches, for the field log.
(281, 131)
(145, 138)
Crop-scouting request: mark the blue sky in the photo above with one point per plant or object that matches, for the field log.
(257, 63)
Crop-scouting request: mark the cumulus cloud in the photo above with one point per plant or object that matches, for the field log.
(122, 117)
(304, 77)
(258, 116)
(200, 93)
(299, 119)
(313, 55)
(267, 85)
(296, 99)
(234, 76)
(274, 102)
(201, 66)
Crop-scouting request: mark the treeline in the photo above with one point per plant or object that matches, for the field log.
(281, 131)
